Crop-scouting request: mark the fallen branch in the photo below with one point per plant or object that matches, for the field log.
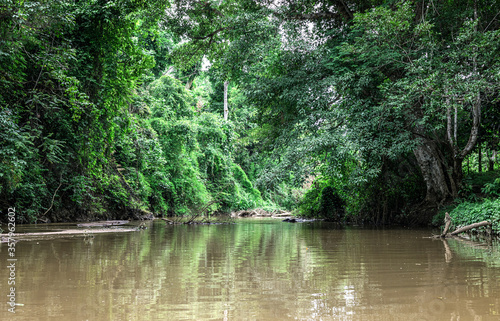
(103, 223)
(168, 221)
(447, 221)
(470, 227)
(203, 210)
(282, 214)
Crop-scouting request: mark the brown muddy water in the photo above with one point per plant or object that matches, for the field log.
(252, 270)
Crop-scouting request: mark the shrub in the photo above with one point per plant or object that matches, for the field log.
(331, 206)
(467, 213)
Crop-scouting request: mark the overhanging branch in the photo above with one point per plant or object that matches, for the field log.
(210, 35)
(313, 16)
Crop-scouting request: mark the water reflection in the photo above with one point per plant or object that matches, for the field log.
(255, 270)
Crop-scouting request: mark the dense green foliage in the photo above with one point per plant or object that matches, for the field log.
(478, 201)
(467, 213)
(93, 126)
(381, 101)
(357, 110)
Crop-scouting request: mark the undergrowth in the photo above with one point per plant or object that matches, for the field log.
(478, 202)
(467, 213)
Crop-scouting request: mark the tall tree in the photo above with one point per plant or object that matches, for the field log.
(394, 78)
(423, 87)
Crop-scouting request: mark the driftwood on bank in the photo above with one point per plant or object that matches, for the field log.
(447, 224)
(285, 214)
(447, 221)
(103, 223)
(259, 212)
(201, 216)
(470, 227)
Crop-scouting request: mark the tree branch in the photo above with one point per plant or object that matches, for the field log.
(313, 16)
(53, 197)
(469, 227)
(210, 35)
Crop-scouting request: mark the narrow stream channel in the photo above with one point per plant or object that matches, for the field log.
(254, 270)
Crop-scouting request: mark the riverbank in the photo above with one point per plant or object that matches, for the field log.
(479, 201)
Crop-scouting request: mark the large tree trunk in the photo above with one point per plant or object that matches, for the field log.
(457, 175)
(431, 163)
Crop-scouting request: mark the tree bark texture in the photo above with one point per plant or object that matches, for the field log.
(447, 222)
(430, 161)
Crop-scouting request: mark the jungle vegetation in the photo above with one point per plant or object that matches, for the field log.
(353, 110)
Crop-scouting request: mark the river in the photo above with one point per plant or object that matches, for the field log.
(256, 269)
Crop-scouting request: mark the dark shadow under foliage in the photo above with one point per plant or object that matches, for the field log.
(331, 206)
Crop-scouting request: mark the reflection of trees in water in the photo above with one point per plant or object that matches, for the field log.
(471, 288)
(258, 270)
